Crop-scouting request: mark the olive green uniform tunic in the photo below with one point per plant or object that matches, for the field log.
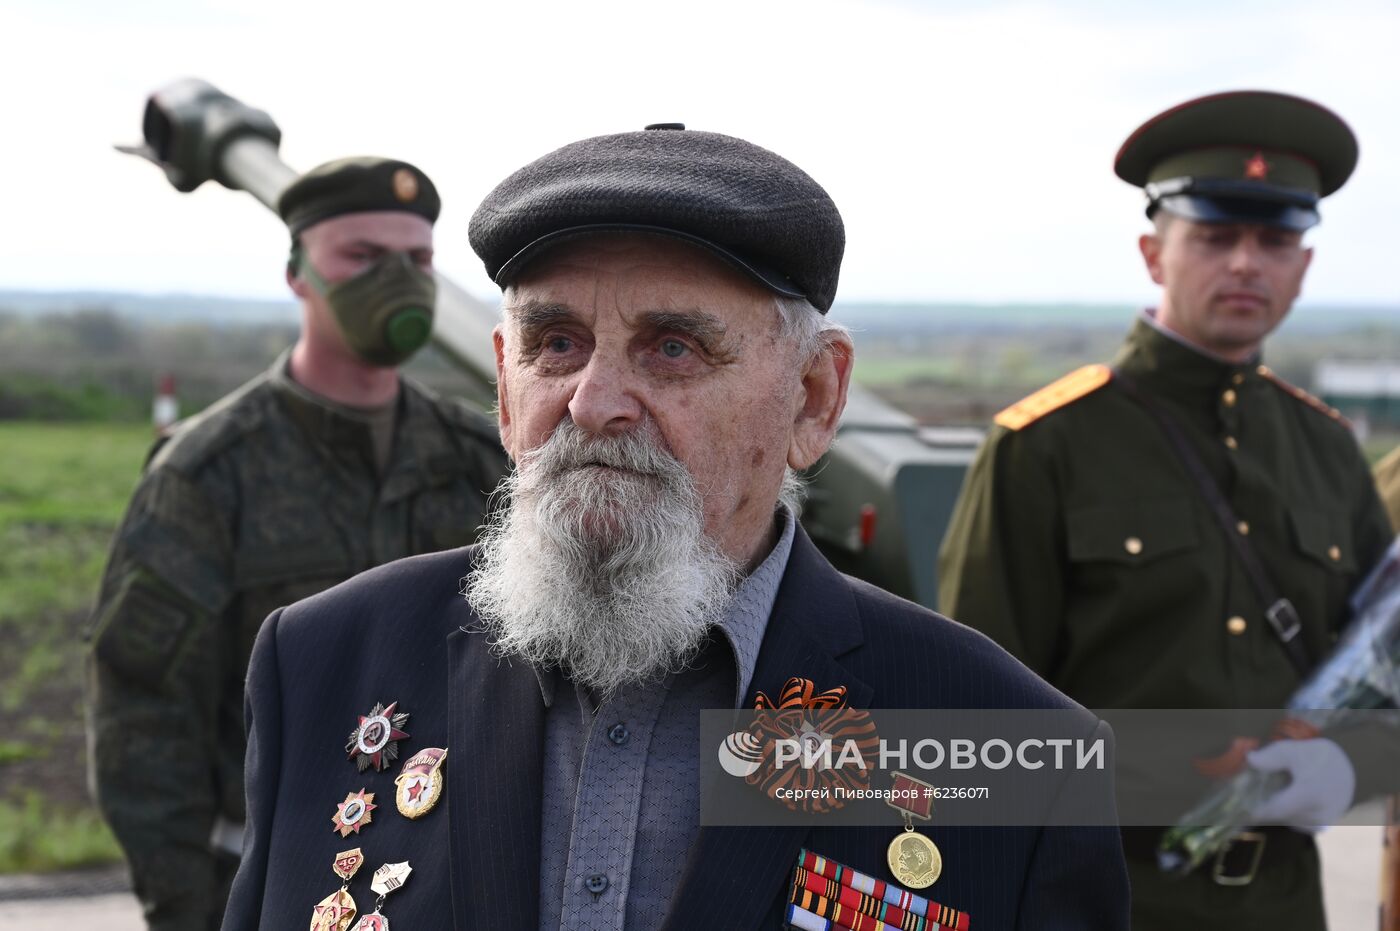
(271, 495)
(1387, 474)
(1081, 544)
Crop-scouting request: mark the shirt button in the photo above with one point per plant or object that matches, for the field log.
(1334, 552)
(619, 734)
(1238, 378)
(1133, 545)
(1231, 443)
(1236, 625)
(596, 883)
(1229, 397)
(1243, 528)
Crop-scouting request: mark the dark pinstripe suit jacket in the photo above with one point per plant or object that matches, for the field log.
(400, 633)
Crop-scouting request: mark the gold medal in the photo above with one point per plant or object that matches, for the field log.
(337, 910)
(913, 858)
(420, 782)
(334, 912)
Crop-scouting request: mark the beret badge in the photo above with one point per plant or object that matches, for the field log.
(405, 185)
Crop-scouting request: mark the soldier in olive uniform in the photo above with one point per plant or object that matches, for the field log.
(327, 464)
(1084, 542)
(1387, 474)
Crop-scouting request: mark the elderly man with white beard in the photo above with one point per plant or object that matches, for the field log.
(665, 368)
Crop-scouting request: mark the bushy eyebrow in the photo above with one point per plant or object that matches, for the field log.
(534, 315)
(705, 328)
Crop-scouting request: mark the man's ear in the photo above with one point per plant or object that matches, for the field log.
(295, 281)
(820, 400)
(498, 340)
(1150, 245)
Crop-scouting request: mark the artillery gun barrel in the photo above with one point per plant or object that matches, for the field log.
(253, 164)
(196, 133)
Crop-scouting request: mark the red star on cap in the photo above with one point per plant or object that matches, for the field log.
(1256, 168)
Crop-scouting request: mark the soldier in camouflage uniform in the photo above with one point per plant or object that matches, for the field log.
(327, 464)
(1083, 544)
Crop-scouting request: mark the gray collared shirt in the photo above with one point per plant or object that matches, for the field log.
(621, 805)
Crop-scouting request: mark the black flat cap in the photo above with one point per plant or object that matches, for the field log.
(357, 185)
(752, 208)
(1240, 157)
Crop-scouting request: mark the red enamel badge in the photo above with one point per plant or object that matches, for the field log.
(353, 813)
(374, 742)
(1256, 168)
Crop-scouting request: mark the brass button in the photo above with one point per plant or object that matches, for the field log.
(1238, 378)
(1229, 397)
(1263, 370)
(1133, 545)
(1231, 443)
(1243, 528)
(1236, 625)
(1334, 552)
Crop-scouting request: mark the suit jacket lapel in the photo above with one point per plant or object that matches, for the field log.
(494, 785)
(742, 871)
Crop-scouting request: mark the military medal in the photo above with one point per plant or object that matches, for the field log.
(387, 879)
(374, 742)
(913, 858)
(353, 813)
(420, 782)
(337, 910)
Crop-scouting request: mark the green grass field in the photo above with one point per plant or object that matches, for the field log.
(63, 488)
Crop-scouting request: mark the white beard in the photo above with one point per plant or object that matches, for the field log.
(604, 573)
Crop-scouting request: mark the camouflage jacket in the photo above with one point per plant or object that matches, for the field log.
(265, 498)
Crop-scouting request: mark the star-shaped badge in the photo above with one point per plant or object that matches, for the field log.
(1256, 168)
(353, 813)
(374, 742)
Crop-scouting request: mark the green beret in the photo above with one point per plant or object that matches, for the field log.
(357, 185)
(1240, 157)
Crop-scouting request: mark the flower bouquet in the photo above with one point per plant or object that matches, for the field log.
(1362, 673)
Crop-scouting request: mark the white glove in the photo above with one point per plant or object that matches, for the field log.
(1323, 786)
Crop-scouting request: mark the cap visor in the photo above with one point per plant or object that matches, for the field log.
(1239, 210)
(768, 277)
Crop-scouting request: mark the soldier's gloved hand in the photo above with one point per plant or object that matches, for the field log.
(1322, 788)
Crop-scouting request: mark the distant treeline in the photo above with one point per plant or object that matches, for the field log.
(941, 364)
(94, 364)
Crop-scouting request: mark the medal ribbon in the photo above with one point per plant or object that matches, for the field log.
(883, 891)
(857, 901)
(802, 693)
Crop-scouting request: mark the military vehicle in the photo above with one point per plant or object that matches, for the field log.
(878, 503)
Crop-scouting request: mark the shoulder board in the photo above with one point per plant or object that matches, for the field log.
(1316, 404)
(1054, 396)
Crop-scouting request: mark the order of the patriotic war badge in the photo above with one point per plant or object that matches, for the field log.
(374, 741)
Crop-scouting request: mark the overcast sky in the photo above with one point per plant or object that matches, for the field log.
(968, 144)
